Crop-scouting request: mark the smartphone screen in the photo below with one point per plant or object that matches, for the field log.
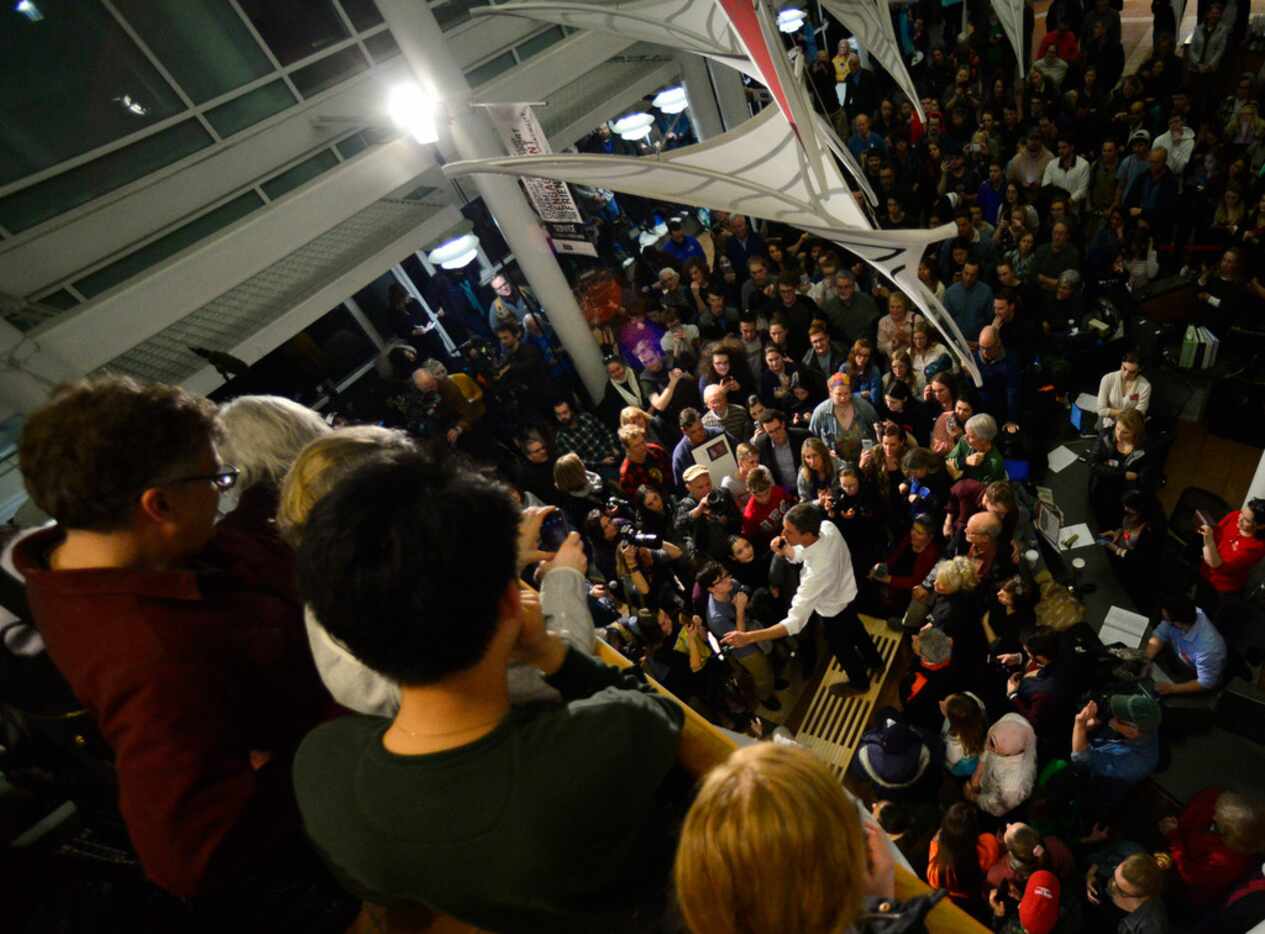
(554, 531)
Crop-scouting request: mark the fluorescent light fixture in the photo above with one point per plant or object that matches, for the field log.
(455, 253)
(671, 101)
(790, 19)
(132, 105)
(414, 112)
(634, 126)
(29, 10)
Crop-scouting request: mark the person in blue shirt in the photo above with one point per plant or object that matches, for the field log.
(744, 244)
(863, 139)
(1194, 642)
(1126, 750)
(727, 611)
(970, 301)
(681, 246)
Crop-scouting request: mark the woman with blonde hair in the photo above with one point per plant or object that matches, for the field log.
(632, 415)
(774, 807)
(817, 470)
(1135, 885)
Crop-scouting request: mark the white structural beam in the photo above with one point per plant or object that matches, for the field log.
(607, 106)
(275, 334)
(559, 65)
(90, 336)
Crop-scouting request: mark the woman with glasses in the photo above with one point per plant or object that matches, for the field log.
(1134, 885)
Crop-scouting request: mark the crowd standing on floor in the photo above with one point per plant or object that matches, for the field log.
(374, 676)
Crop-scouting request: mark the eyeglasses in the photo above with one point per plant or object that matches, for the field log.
(223, 481)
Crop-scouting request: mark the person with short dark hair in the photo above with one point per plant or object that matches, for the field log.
(522, 368)
(455, 802)
(1194, 643)
(208, 684)
(827, 588)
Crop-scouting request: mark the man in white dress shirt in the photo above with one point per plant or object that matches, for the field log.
(827, 588)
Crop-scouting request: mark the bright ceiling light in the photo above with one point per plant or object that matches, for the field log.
(29, 10)
(455, 253)
(413, 111)
(790, 19)
(132, 105)
(634, 126)
(671, 101)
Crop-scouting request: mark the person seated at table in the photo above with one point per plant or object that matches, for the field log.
(907, 564)
(765, 809)
(1125, 749)
(1134, 548)
(974, 456)
(401, 806)
(1193, 642)
(182, 638)
(1125, 388)
(1215, 841)
(1230, 551)
(1119, 464)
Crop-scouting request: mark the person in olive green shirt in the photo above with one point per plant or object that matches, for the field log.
(974, 456)
(539, 818)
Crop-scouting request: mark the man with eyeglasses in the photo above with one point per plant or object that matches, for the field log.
(183, 639)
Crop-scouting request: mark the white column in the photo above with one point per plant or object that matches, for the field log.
(730, 94)
(29, 373)
(423, 46)
(704, 111)
(354, 309)
(1257, 489)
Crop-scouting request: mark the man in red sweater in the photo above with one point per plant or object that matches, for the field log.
(1212, 842)
(182, 638)
(644, 462)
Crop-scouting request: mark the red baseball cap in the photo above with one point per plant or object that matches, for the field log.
(1039, 910)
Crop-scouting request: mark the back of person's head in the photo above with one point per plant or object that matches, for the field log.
(382, 564)
(806, 517)
(569, 474)
(894, 817)
(262, 435)
(956, 857)
(1241, 822)
(966, 722)
(921, 459)
(1146, 872)
(1026, 848)
(1040, 643)
(709, 574)
(325, 461)
(1177, 608)
(771, 844)
(1257, 508)
(97, 444)
(956, 574)
(760, 479)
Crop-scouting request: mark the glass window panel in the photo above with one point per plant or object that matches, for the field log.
(67, 83)
(292, 178)
(250, 108)
(295, 29)
(318, 76)
(382, 46)
(489, 70)
(60, 299)
(203, 43)
(362, 13)
(454, 12)
(352, 145)
(537, 44)
(34, 205)
(107, 277)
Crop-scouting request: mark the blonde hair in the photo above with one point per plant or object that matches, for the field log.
(818, 447)
(1134, 421)
(262, 435)
(956, 574)
(771, 806)
(630, 434)
(631, 415)
(324, 462)
(1146, 872)
(745, 450)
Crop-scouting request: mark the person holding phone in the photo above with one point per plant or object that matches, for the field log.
(1230, 550)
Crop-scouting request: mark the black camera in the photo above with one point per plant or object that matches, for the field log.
(618, 507)
(630, 536)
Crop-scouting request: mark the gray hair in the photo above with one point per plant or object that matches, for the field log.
(983, 426)
(262, 435)
(667, 273)
(436, 369)
(1069, 279)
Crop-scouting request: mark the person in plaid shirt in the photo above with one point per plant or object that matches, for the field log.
(582, 434)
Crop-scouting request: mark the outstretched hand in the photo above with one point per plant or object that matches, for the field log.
(880, 877)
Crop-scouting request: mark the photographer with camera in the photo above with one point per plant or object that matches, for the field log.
(643, 567)
(702, 517)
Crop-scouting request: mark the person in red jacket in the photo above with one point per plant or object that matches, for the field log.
(1215, 842)
(183, 639)
(1231, 549)
(762, 516)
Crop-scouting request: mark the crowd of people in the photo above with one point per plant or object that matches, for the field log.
(370, 672)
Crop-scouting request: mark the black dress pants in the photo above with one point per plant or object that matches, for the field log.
(852, 646)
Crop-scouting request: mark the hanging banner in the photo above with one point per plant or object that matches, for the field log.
(523, 136)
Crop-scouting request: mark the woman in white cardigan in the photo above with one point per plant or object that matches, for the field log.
(1125, 388)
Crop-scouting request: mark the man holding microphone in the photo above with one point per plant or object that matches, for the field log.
(827, 588)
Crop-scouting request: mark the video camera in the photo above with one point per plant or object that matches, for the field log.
(629, 535)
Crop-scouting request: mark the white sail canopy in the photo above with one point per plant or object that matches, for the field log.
(1010, 13)
(871, 22)
(688, 25)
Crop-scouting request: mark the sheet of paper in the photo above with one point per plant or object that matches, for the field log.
(1123, 626)
(1045, 495)
(1061, 457)
(1087, 403)
(1079, 535)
